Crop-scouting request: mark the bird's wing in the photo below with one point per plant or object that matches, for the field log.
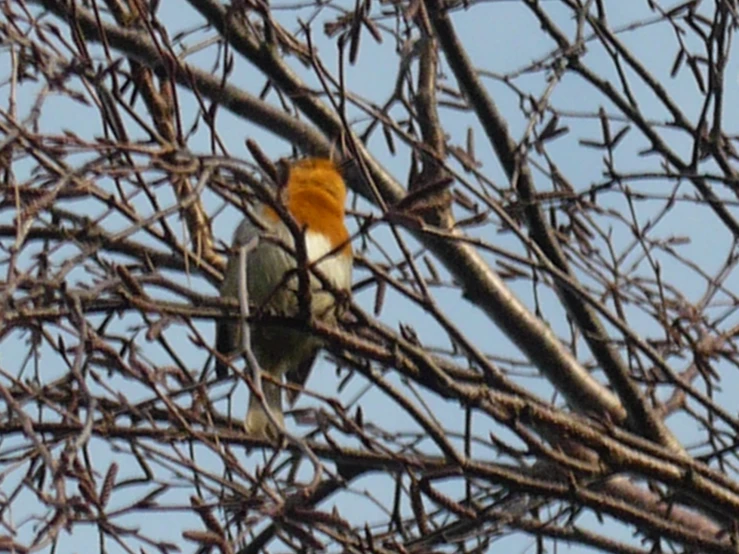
(228, 331)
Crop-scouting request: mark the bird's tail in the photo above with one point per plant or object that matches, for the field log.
(257, 420)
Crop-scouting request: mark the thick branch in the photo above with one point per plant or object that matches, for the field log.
(641, 417)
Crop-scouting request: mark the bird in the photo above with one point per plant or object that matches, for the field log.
(314, 194)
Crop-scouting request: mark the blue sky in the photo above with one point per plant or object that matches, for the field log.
(501, 37)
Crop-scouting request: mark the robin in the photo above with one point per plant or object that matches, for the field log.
(314, 195)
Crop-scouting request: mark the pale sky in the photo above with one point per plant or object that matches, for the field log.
(501, 37)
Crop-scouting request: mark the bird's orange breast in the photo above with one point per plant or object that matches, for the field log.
(315, 195)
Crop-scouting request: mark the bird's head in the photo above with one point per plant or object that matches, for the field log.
(314, 193)
(316, 177)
